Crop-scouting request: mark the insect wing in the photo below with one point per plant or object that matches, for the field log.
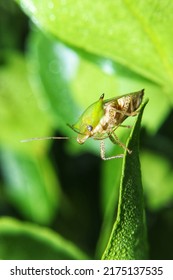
(138, 96)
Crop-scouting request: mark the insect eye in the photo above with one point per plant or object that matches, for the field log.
(89, 127)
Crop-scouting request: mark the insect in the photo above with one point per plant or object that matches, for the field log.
(100, 120)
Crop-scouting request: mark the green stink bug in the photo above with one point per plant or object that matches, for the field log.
(102, 118)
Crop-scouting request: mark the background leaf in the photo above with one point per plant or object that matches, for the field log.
(32, 192)
(119, 23)
(18, 106)
(28, 187)
(159, 189)
(30, 242)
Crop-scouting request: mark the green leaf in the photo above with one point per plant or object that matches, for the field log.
(31, 186)
(128, 237)
(157, 180)
(30, 182)
(53, 64)
(25, 241)
(19, 108)
(130, 32)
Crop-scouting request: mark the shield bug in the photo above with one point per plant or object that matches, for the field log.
(100, 120)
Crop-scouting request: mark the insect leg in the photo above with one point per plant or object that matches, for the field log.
(126, 126)
(115, 140)
(102, 152)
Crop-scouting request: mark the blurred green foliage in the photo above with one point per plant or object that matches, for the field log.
(54, 62)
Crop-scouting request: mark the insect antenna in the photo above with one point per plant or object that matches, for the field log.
(45, 138)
